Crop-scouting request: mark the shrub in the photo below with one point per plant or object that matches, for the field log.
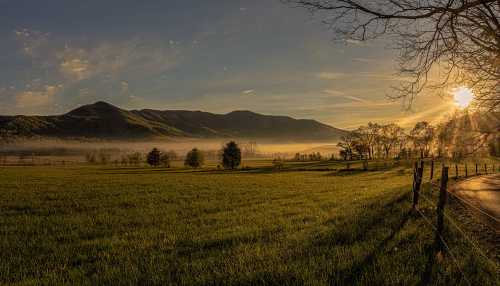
(104, 158)
(194, 158)
(134, 158)
(90, 157)
(172, 155)
(231, 156)
(165, 160)
(153, 158)
(278, 163)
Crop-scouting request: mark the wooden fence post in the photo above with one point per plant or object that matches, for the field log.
(419, 172)
(485, 169)
(440, 207)
(476, 169)
(415, 174)
(432, 169)
(466, 173)
(456, 172)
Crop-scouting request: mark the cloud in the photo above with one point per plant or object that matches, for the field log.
(330, 75)
(334, 92)
(75, 68)
(364, 60)
(354, 98)
(33, 42)
(249, 91)
(124, 87)
(37, 98)
(383, 76)
(117, 60)
(341, 94)
(353, 42)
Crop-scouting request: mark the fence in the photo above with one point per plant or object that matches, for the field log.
(460, 171)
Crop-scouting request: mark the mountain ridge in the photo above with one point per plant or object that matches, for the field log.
(102, 120)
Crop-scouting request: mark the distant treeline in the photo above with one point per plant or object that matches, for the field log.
(461, 136)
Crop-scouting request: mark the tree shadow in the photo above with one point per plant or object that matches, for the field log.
(425, 278)
(348, 234)
(359, 267)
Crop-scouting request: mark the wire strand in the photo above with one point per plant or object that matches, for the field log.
(474, 207)
(453, 258)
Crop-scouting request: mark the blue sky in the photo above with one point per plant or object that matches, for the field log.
(216, 56)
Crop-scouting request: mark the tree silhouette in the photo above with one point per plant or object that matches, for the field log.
(347, 143)
(194, 158)
(422, 136)
(153, 157)
(459, 38)
(231, 156)
(165, 160)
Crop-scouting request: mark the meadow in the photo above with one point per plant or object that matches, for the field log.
(309, 224)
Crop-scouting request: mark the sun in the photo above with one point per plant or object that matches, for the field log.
(463, 96)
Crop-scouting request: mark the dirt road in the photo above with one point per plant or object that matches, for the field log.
(481, 194)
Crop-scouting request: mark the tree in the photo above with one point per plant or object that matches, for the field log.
(135, 158)
(494, 146)
(347, 143)
(104, 157)
(194, 158)
(422, 136)
(153, 157)
(389, 137)
(459, 38)
(231, 156)
(172, 155)
(361, 149)
(165, 160)
(368, 136)
(90, 157)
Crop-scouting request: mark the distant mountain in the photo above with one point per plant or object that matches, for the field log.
(102, 120)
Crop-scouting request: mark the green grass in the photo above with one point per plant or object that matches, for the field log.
(107, 225)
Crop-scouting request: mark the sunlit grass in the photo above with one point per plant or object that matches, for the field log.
(109, 225)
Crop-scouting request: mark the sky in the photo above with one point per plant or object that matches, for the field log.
(216, 56)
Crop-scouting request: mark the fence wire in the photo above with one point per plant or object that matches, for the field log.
(448, 249)
(432, 186)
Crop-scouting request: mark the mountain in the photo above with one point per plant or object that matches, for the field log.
(105, 121)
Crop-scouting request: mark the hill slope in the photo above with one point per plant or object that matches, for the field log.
(105, 121)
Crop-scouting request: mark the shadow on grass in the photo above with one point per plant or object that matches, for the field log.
(425, 278)
(347, 234)
(261, 278)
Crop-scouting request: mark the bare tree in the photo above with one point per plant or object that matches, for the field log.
(422, 136)
(347, 143)
(458, 38)
(368, 136)
(389, 137)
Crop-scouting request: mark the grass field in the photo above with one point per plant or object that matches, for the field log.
(111, 225)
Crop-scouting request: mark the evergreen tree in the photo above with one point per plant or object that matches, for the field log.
(231, 156)
(165, 160)
(194, 158)
(153, 157)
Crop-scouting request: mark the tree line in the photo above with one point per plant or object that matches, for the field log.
(229, 156)
(455, 139)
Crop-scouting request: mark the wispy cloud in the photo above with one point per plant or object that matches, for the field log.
(364, 60)
(342, 94)
(101, 69)
(249, 91)
(37, 98)
(32, 41)
(354, 98)
(333, 92)
(330, 75)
